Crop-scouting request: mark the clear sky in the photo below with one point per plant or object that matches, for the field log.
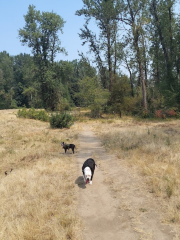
(12, 19)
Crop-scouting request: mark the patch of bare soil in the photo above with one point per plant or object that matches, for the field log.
(118, 204)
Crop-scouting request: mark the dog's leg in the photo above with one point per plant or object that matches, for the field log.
(92, 175)
(90, 182)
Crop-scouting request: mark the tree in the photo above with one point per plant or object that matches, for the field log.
(40, 33)
(120, 96)
(91, 92)
(24, 76)
(163, 46)
(134, 15)
(6, 80)
(105, 13)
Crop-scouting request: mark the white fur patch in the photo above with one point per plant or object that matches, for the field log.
(87, 174)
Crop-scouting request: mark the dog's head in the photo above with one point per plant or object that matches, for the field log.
(62, 144)
(87, 174)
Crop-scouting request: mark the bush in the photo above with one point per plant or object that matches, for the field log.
(42, 115)
(165, 113)
(96, 111)
(22, 113)
(61, 120)
(33, 114)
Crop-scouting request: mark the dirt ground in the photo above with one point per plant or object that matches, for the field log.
(118, 204)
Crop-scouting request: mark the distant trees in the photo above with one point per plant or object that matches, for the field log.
(25, 87)
(20, 85)
(6, 81)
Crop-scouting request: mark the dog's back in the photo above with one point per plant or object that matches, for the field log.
(68, 146)
(89, 163)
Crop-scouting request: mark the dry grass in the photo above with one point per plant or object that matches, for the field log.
(152, 149)
(38, 198)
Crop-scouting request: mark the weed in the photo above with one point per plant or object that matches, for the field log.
(168, 142)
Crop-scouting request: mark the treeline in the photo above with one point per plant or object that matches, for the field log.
(20, 84)
(142, 36)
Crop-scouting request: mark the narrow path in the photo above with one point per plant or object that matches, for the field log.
(116, 205)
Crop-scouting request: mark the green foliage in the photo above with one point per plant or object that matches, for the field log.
(86, 94)
(90, 92)
(50, 89)
(6, 80)
(13, 104)
(63, 105)
(120, 98)
(61, 120)
(33, 114)
(102, 43)
(25, 87)
(96, 110)
(92, 95)
(41, 34)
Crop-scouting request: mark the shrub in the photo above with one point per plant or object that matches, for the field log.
(61, 120)
(96, 111)
(22, 113)
(43, 116)
(165, 113)
(170, 113)
(33, 114)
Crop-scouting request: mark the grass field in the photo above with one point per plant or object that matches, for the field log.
(152, 148)
(38, 197)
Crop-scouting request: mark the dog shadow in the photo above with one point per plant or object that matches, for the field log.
(80, 182)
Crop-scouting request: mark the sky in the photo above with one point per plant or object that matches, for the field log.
(12, 19)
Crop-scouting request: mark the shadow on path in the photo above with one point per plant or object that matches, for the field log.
(80, 182)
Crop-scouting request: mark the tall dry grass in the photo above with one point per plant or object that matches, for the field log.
(38, 198)
(153, 149)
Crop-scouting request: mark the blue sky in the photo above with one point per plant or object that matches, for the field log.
(11, 20)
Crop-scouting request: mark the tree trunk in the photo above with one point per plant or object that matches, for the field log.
(130, 76)
(109, 59)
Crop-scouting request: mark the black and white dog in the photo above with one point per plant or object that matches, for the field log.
(88, 170)
(68, 146)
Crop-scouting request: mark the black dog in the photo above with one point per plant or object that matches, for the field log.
(68, 146)
(88, 170)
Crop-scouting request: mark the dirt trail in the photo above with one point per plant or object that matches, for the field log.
(117, 205)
